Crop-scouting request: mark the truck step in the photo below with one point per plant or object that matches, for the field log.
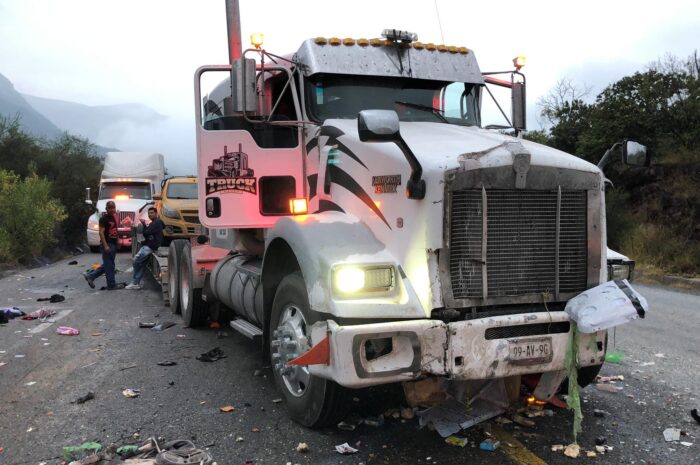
(247, 329)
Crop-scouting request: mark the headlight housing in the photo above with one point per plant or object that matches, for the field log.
(620, 270)
(171, 213)
(93, 225)
(357, 281)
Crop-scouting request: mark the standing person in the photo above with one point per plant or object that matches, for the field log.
(108, 240)
(153, 236)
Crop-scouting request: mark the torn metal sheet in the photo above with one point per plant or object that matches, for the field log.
(605, 306)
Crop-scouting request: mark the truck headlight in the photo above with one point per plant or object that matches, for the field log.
(171, 213)
(92, 224)
(356, 281)
(619, 271)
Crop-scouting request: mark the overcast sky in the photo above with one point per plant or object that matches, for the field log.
(146, 51)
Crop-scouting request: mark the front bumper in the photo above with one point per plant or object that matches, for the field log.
(460, 350)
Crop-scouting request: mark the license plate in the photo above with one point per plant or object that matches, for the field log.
(530, 351)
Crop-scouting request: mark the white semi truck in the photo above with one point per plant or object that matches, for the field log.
(367, 230)
(130, 179)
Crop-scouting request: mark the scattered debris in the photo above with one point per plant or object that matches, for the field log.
(600, 440)
(277, 401)
(211, 356)
(143, 324)
(522, 421)
(572, 450)
(67, 331)
(167, 363)
(614, 357)
(608, 379)
(128, 367)
(31, 383)
(660, 355)
(599, 413)
(39, 314)
(608, 388)
(55, 298)
(672, 434)
(374, 421)
(591, 454)
(557, 447)
(257, 373)
(303, 448)
(81, 400)
(646, 364)
(73, 262)
(181, 336)
(503, 421)
(221, 335)
(239, 439)
(456, 441)
(489, 445)
(343, 449)
(407, 413)
(74, 453)
(227, 408)
(131, 393)
(163, 326)
(350, 423)
(694, 414)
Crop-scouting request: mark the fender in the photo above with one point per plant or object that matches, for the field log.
(326, 239)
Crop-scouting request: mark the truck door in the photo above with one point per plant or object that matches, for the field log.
(250, 164)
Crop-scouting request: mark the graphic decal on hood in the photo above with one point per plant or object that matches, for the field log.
(340, 177)
(312, 180)
(327, 205)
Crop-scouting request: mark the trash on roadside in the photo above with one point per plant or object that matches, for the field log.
(489, 445)
(695, 415)
(608, 388)
(456, 441)
(672, 434)
(344, 449)
(164, 325)
(239, 439)
(73, 262)
(303, 448)
(72, 453)
(686, 444)
(610, 379)
(591, 454)
(277, 401)
(374, 421)
(522, 421)
(614, 357)
(55, 298)
(40, 313)
(81, 400)
(599, 413)
(67, 331)
(212, 356)
(31, 383)
(167, 363)
(143, 324)
(131, 393)
(350, 423)
(572, 450)
(227, 408)
(557, 447)
(600, 440)
(127, 451)
(97, 334)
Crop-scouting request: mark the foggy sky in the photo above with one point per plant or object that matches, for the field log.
(101, 52)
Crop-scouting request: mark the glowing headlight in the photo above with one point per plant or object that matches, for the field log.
(355, 280)
(93, 225)
(171, 213)
(620, 271)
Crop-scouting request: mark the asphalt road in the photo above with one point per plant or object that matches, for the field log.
(42, 373)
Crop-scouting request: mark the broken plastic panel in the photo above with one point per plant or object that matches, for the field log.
(605, 306)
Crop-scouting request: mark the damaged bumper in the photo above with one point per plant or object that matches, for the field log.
(485, 348)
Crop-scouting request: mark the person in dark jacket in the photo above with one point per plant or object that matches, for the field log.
(153, 236)
(109, 243)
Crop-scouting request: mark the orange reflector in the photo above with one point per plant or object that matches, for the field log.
(298, 206)
(320, 354)
(121, 197)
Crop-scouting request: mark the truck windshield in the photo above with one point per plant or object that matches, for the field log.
(182, 191)
(342, 96)
(125, 190)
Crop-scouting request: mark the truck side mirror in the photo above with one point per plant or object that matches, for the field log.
(378, 126)
(243, 85)
(518, 106)
(635, 154)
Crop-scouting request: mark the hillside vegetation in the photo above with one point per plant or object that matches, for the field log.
(653, 213)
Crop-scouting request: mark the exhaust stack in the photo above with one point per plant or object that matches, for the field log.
(233, 26)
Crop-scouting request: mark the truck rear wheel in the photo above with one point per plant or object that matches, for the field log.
(174, 255)
(311, 401)
(194, 309)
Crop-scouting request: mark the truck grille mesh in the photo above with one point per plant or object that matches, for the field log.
(521, 242)
(121, 216)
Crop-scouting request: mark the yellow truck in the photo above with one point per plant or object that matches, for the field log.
(177, 208)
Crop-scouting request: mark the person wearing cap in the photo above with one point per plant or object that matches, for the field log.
(108, 243)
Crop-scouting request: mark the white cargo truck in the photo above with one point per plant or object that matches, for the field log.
(367, 229)
(130, 179)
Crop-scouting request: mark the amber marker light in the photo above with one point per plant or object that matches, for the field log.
(256, 39)
(298, 206)
(121, 197)
(519, 62)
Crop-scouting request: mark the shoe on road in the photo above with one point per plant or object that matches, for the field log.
(118, 286)
(90, 281)
(133, 286)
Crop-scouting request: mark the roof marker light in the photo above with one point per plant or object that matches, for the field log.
(256, 39)
(519, 62)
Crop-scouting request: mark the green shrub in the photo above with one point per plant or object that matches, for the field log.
(29, 216)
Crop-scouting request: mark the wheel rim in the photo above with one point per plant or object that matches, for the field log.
(172, 283)
(290, 341)
(184, 286)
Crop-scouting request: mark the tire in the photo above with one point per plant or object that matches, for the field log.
(95, 248)
(194, 310)
(174, 254)
(311, 401)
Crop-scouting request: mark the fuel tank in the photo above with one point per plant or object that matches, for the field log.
(235, 282)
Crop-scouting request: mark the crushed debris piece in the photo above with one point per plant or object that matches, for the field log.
(67, 331)
(572, 450)
(239, 439)
(350, 423)
(687, 444)
(489, 445)
(407, 413)
(608, 388)
(646, 364)
(660, 355)
(600, 440)
(522, 421)
(212, 356)
(608, 379)
(600, 449)
(31, 383)
(146, 324)
(344, 449)
(303, 448)
(81, 400)
(374, 421)
(456, 441)
(131, 393)
(557, 447)
(591, 453)
(97, 334)
(599, 413)
(227, 408)
(277, 401)
(614, 357)
(503, 421)
(167, 363)
(255, 430)
(672, 434)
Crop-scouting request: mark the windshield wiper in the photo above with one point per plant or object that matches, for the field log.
(436, 111)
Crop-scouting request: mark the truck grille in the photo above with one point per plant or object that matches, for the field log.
(121, 216)
(523, 254)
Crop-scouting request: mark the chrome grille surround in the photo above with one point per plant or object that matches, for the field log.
(542, 243)
(121, 216)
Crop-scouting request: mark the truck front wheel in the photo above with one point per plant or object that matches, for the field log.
(174, 257)
(311, 401)
(194, 309)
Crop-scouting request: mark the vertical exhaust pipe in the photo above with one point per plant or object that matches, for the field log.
(233, 26)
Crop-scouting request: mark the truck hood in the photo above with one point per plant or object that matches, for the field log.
(441, 147)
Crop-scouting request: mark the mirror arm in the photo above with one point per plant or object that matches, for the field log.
(606, 157)
(415, 187)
